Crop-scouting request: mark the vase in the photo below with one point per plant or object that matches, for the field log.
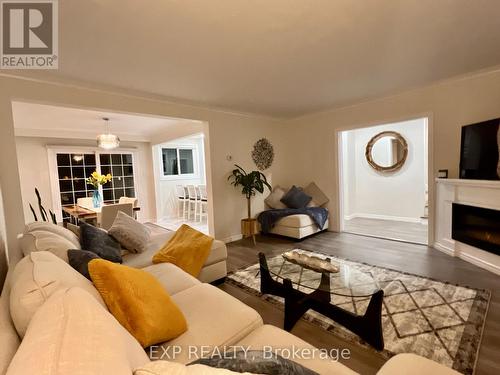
(96, 198)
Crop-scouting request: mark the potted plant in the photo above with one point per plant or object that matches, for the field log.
(96, 179)
(250, 184)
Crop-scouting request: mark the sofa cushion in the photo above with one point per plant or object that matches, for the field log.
(79, 260)
(296, 198)
(318, 197)
(56, 229)
(171, 277)
(72, 334)
(131, 234)
(35, 278)
(172, 368)
(218, 253)
(274, 199)
(267, 336)
(188, 249)
(41, 240)
(98, 241)
(296, 221)
(214, 319)
(138, 301)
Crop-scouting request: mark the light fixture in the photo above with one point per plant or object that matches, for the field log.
(107, 141)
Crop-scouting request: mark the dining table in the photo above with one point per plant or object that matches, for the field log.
(77, 213)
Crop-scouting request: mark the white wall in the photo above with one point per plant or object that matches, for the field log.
(397, 195)
(226, 133)
(449, 105)
(166, 196)
(34, 172)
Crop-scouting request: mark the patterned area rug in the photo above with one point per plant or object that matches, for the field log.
(437, 320)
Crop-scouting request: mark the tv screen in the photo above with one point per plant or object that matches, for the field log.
(479, 151)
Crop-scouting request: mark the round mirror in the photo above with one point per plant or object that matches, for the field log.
(386, 152)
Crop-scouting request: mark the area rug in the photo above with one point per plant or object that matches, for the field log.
(434, 319)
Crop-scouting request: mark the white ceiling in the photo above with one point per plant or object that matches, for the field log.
(279, 57)
(61, 122)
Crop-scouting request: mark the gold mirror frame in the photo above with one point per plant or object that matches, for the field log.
(392, 168)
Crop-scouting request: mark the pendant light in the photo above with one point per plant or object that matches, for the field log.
(107, 141)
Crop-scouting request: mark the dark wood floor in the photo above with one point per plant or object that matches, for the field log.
(416, 259)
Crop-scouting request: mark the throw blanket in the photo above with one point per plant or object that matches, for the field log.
(268, 219)
(188, 249)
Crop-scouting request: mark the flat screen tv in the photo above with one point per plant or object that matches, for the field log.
(479, 151)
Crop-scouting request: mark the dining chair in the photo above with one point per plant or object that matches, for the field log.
(134, 202)
(192, 201)
(202, 202)
(85, 202)
(108, 213)
(182, 200)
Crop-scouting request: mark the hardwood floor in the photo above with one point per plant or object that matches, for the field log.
(412, 258)
(389, 229)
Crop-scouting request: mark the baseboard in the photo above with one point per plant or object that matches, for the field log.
(385, 217)
(444, 249)
(232, 238)
(480, 263)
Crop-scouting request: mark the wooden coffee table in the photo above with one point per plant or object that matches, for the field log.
(304, 289)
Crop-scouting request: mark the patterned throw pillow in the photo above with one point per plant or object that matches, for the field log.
(256, 362)
(131, 234)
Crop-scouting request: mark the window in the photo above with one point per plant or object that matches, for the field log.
(121, 168)
(178, 161)
(74, 168)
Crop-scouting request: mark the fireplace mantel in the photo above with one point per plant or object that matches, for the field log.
(477, 193)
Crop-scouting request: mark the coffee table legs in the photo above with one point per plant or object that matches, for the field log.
(367, 326)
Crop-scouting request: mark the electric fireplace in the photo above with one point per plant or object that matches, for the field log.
(476, 226)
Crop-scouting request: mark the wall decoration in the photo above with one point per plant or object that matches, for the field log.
(263, 154)
(387, 152)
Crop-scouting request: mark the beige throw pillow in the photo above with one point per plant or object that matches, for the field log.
(71, 334)
(274, 199)
(42, 240)
(318, 197)
(131, 234)
(56, 229)
(35, 278)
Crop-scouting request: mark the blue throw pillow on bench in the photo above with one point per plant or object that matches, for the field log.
(296, 198)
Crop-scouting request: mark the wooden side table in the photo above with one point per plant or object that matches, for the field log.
(249, 228)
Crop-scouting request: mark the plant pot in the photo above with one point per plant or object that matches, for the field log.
(249, 228)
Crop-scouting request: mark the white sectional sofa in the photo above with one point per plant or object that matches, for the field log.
(72, 332)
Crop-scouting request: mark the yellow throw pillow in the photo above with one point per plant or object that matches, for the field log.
(188, 249)
(138, 301)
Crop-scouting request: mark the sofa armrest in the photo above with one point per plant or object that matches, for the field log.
(412, 364)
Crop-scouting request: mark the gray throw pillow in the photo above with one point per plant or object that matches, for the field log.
(99, 242)
(131, 234)
(79, 260)
(296, 198)
(256, 362)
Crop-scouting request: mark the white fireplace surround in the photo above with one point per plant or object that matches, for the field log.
(477, 193)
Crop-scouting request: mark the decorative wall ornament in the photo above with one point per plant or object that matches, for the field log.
(263, 154)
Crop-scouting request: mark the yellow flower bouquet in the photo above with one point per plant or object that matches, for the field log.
(96, 179)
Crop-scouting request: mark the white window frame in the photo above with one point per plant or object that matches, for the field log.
(52, 152)
(179, 176)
